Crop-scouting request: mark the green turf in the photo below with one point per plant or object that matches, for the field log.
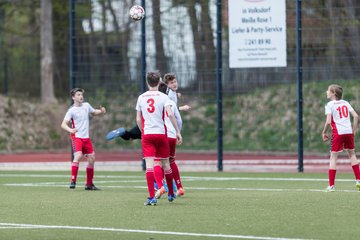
(241, 204)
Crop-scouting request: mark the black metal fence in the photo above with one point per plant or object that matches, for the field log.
(181, 38)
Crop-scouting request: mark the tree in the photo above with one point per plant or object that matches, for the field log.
(46, 45)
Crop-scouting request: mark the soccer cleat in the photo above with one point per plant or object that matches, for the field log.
(180, 192)
(92, 187)
(115, 133)
(160, 192)
(72, 185)
(171, 197)
(150, 202)
(330, 189)
(358, 184)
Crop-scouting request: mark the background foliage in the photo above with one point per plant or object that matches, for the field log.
(259, 103)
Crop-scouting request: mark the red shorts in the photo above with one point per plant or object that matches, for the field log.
(341, 142)
(155, 145)
(83, 145)
(172, 146)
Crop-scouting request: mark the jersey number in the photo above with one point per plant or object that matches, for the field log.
(343, 111)
(151, 107)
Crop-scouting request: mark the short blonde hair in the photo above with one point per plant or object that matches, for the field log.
(337, 90)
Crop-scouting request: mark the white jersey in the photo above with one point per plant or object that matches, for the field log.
(79, 118)
(340, 116)
(171, 132)
(172, 95)
(152, 106)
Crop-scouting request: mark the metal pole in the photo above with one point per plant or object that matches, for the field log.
(143, 51)
(72, 44)
(143, 62)
(299, 85)
(72, 48)
(219, 86)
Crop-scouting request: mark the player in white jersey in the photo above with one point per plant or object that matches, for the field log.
(172, 84)
(338, 113)
(171, 133)
(78, 118)
(150, 112)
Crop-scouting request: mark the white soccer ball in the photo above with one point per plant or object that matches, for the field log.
(137, 12)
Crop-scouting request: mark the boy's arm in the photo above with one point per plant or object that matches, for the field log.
(326, 127)
(174, 123)
(99, 111)
(355, 121)
(65, 126)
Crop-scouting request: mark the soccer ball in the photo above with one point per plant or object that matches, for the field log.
(137, 12)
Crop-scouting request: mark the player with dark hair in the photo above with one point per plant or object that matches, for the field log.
(338, 113)
(172, 142)
(150, 109)
(78, 117)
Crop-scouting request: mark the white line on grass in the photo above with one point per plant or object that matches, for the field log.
(188, 178)
(144, 231)
(61, 176)
(192, 188)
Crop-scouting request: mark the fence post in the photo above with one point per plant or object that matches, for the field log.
(219, 87)
(299, 85)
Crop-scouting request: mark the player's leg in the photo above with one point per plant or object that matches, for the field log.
(169, 178)
(355, 166)
(149, 173)
(134, 133)
(177, 178)
(336, 147)
(75, 168)
(90, 173)
(159, 176)
(115, 133)
(161, 152)
(148, 150)
(174, 167)
(349, 145)
(90, 153)
(77, 150)
(332, 171)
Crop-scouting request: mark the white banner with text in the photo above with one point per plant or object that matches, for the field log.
(257, 33)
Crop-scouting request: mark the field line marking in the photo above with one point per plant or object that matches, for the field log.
(144, 231)
(192, 188)
(188, 178)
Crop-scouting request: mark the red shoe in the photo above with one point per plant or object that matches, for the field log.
(160, 192)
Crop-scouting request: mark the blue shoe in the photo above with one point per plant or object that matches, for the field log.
(115, 133)
(150, 202)
(171, 197)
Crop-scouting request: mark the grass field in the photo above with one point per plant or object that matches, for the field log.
(39, 205)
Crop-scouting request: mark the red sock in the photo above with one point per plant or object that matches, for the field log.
(89, 175)
(74, 171)
(332, 174)
(158, 174)
(150, 182)
(169, 181)
(175, 172)
(356, 171)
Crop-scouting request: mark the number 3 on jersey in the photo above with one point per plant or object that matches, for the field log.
(151, 107)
